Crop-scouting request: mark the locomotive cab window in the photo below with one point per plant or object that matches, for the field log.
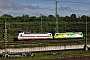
(50, 34)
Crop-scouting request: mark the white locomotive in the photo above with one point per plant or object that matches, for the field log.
(24, 36)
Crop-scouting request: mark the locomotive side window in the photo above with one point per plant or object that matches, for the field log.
(21, 35)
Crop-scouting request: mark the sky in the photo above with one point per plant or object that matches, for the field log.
(44, 7)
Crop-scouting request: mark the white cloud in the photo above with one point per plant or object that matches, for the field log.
(39, 13)
(33, 7)
(6, 4)
(84, 9)
(16, 13)
(65, 8)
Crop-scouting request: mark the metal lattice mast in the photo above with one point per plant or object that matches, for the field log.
(41, 22)
(55, 13)
(56, 16)
(5, 38)
(86, 47)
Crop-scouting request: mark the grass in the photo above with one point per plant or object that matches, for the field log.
(51, 55)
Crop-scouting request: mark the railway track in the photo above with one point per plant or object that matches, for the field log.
(38, 43)
(26, 51)
(47, 48)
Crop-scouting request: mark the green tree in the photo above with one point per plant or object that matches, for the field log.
(6, 17)
(73, 18)
(25, 18)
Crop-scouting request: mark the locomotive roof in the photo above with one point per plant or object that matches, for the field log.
(68, 32)
(33, 33)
